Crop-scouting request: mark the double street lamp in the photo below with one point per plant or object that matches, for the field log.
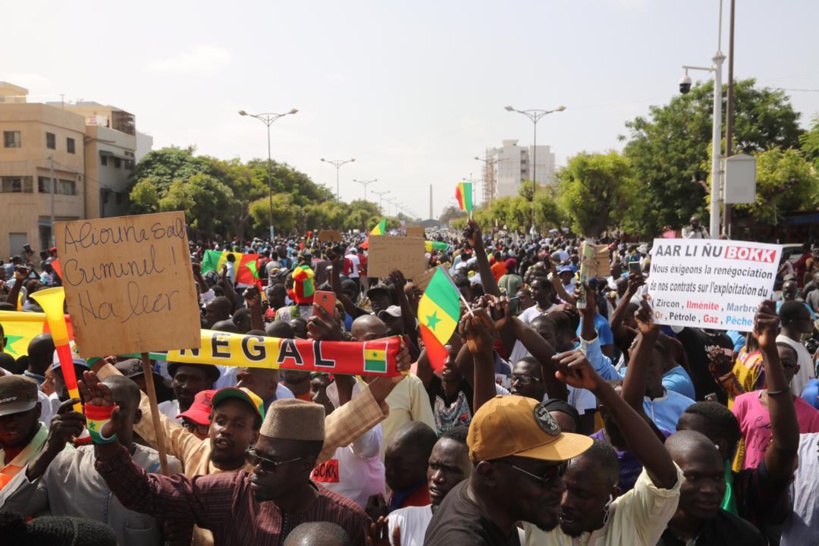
(381, 195)
(337, 163)
(268, 119)
(365, 183)
(535, 116)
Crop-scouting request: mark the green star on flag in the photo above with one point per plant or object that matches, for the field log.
(10, 341)
(433, 320)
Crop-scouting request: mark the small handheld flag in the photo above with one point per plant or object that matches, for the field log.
(463, 193)
(438, 314)
(381, 228)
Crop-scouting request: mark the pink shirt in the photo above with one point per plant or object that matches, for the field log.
(755, 424)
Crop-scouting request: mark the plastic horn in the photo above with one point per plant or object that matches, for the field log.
(52, 301)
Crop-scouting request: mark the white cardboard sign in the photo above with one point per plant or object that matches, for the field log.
(706, 283)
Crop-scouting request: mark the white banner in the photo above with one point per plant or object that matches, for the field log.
(707, 283)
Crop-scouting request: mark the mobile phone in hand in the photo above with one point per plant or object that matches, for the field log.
(634, 268)
(326, 300)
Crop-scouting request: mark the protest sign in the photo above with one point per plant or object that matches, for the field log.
(416, 231)
(707, 283)
(387, 254)
(129, 284)
(329, 236)
(422, 281)
(353, 358)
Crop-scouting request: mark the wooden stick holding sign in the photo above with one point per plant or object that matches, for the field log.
(129, 288)
(151, 392)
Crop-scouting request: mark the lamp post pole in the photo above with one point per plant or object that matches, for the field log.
(534, 116)
(381, 195)
(337, 163)
(365, 183)
(268, 119)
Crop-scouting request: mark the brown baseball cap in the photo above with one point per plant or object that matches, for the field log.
(17, 394)
(520, 426)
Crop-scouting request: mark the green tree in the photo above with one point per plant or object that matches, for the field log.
(594, 191)
(785, 180)
(166, 165)
(285, 213)
(203, 199)
(669, 149)
(144, 197)
(451, 213)
(810, 142)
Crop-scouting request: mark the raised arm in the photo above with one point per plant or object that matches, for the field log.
(473, 235)
(635, 281)
(634, 385)
(477, 330)
(576, 371)
(782, 451)
(540, 349)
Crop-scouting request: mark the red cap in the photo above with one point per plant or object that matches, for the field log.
(199, 412)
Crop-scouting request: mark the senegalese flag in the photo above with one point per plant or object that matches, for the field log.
(20, 328)
(381, 228)
(245, 265)
(463, 193)
(439, 246)
(438, 313)
(375, 357)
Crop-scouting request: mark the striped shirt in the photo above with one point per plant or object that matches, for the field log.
(224, 504)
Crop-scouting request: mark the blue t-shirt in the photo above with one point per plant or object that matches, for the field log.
(665, 411)
(677, 379)
(601, 326)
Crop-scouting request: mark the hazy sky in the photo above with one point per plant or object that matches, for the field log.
(412, 90)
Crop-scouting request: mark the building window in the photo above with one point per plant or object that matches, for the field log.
(119, 196)
(11, 139)
(69, 145)
(51, 141)
(129, 164)
(67, 187)
(16, 184)
(104, 160)
(43, 184)
(117, 163)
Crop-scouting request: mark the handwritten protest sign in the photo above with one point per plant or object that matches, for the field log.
(416, 231)
(387, 254)
(128, 283)
(329, 236)
(711, 283)
(422, 280)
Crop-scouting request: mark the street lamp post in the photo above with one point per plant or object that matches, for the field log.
(365, 183)
(268, 119)
(716, 130)
(535, 116)
(381, 195)
(337, 163)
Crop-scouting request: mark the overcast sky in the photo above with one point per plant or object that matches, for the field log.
(413, 90)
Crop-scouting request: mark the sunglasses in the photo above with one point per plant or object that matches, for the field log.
(551, 474)
(524, 379)
(267, 465)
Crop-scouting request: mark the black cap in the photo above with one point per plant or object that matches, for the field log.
(17, 394)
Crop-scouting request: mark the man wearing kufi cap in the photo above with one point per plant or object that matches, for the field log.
(258, 507)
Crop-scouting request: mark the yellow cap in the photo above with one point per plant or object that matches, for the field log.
(520, 426)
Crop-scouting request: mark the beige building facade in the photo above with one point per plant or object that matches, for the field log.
(91, 147)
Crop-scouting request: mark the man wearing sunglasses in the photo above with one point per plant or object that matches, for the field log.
(259, 507)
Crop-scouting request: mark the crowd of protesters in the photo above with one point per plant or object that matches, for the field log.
(550, 422)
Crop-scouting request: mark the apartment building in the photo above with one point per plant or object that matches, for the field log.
(91, 148)
(506, 167)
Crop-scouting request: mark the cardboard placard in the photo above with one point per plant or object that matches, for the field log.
(596, 257)
(386, 254)
(707, 283)
(329, 236)
(129, 284)
(422, 280)
(416, 231)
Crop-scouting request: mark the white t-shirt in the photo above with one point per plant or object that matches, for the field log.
(356, 263)
(170, 408)
(413, 521)
(805, 362)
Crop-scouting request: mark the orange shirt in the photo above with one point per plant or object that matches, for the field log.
(498, 270)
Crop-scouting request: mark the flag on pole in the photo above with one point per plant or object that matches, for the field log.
(463, 193)
(246, 272)
(381, 228)
(438, 313)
